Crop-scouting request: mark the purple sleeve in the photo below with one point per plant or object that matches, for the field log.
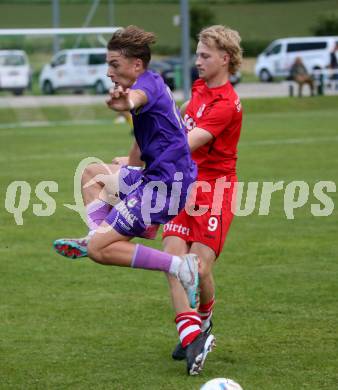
(147, 83)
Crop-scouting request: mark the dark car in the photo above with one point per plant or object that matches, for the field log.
(164, 69)
(171, 71)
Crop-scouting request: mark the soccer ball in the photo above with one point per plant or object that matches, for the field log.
(221, 384)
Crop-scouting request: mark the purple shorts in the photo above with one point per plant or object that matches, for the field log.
(143, 203)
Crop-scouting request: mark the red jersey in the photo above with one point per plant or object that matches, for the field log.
(217, 110)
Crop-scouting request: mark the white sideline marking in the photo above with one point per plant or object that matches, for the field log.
(57, 155)
(72, 155)
(22, 125)
(46, 156)
(289, 141)
(286, 141)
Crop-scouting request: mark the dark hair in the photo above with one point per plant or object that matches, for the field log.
(133, 42)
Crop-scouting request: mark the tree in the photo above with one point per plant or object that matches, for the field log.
(327, 24)
(200, 17)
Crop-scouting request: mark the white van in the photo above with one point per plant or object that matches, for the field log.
(76, 69)
(277, 59)
(15, 71)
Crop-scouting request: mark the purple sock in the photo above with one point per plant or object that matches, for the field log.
(149, 258)
(96, 213)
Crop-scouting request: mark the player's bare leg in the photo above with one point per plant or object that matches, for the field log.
(207, 257)
(197, 351)
(99, 188)
(194, 344)
(97, 182)
(177, 246)
(106, 246)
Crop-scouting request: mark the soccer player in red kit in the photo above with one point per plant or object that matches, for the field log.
(213, 118)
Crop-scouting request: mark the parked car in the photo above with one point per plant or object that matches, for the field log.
(235, 78)
(277, 59)
(15, 71)
(76, 69)
(162, 67)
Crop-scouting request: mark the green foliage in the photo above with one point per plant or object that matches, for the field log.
(327, 24)
(151, 1)
(251, 48)
(43, 44)
(200, 17)
(257, 22)
(166, 50)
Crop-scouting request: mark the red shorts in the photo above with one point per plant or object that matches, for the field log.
(209, 229)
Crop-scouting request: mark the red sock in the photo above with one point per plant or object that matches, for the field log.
(188, 325)
(205, 311)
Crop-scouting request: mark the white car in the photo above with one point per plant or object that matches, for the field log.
(76, 69)
(277, 59)
(15, 71)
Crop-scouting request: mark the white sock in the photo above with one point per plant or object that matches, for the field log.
(205, 325)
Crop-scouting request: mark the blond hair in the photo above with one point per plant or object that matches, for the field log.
(224, 38)
(133, 42)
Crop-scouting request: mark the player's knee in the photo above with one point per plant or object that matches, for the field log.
(89, 172)
(95, 252)
(98, 253)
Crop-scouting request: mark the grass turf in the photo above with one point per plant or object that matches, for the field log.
(78, 325)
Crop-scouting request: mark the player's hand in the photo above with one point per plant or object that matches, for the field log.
(119, 99)
(120, 160)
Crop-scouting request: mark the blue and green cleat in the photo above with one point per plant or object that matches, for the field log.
(73, 248)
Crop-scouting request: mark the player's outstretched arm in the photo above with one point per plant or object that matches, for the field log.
(120, 99)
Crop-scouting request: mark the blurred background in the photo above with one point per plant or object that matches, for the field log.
(259, 22)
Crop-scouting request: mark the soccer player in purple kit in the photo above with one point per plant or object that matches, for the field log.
(161, 139)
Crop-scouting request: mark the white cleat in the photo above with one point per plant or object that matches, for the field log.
(188, 276)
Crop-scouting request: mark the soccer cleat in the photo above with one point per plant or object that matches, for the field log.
(197, 352)
(188, 276)
(73, 248)
(179, 353)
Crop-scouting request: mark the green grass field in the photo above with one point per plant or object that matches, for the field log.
(78, 325)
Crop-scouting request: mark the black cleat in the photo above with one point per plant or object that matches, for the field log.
(179, 351)
(197, 352)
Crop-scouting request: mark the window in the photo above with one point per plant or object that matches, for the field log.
(274, 50)
(298, 46)
(12, 60)
(79, 59)
(60, 60)
(97, 59)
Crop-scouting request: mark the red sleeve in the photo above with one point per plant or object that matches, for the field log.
(216, 118)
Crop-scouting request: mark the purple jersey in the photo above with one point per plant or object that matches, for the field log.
(160, 133)
(157, 193)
